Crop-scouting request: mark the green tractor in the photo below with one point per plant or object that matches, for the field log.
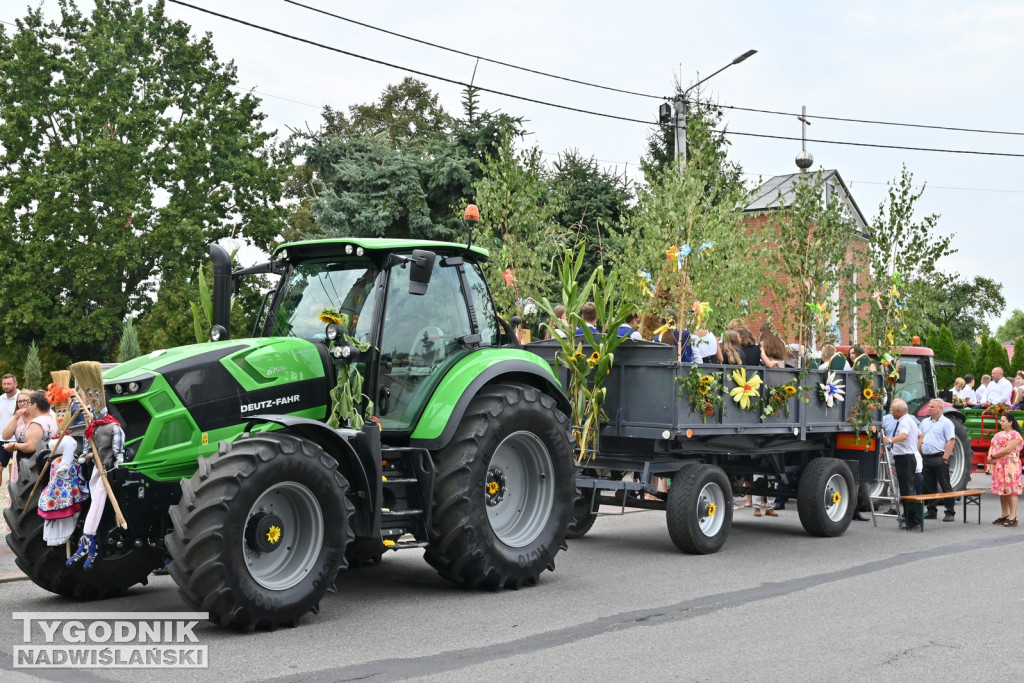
(232, 471)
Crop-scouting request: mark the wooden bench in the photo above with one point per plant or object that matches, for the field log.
(970, 496)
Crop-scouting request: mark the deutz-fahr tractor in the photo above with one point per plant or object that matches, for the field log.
(232, 473)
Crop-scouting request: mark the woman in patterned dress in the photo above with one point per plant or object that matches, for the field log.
(1004, 461)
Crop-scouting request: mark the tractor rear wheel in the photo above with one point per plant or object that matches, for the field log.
(260, 532)
(504, 490)
(112, 574)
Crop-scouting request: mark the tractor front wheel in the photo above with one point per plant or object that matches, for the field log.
(260, 532)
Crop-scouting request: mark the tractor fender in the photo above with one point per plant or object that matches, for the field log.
(340, 445)
(444, 411)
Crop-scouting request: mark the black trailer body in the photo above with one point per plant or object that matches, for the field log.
(812, 455)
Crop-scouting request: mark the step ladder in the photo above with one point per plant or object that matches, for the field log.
(890, 492)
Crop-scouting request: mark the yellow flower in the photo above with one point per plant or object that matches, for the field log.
(594, 359)
(746, 388)
(577, 355)
(789, 390)
(273, 534)
(329, 316)
(703, 389)
(707, 379)
(868, 394)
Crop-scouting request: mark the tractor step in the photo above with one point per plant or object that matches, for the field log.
(404, 545)
(391, 514)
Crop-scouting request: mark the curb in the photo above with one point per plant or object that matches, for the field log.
(10, 577)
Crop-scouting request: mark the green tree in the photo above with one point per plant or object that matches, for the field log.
(903, 253)
(964, 360)
(964, 306)
(33, 372)
(686, 234)
(945, 349)
(518, 226)
(593, 201)
(809, 242)
(1013, 327)
(406, 112)
(121, 164)
(1018, 356)
(129, 346)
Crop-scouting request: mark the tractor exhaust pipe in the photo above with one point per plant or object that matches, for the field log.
(221, 314)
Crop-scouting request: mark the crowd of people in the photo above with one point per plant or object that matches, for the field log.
(994, 389)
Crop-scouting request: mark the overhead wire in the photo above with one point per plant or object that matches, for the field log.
(575, 109)
(468, 54)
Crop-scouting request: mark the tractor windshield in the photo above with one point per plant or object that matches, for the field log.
(317, 285)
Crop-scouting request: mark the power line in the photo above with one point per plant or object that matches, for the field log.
(875, 145)
(880, 123)
(467, 54)
(407, 69)
(640, 94)
(574, 109)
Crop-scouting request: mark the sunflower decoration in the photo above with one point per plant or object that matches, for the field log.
(776, 397)
(866, 411)
(594, 358)
(831, 390)
(747, 391)
(704, 391)
(331, 315)
(997, 410)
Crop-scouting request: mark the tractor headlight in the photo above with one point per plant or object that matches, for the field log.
(333, 331)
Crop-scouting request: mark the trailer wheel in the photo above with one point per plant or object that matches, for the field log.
(583, 516)
(699, 509)
(960, 458)
(504, 490)
(260, 532)
(825, 497)
(111, 575)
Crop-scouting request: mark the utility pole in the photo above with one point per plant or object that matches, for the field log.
(680, 109)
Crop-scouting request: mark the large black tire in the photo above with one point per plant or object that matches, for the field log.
(826, 497)
(111, 575)
(699, 509)
(226, 557)
(582, 518)
(960, 459)
(504, 491)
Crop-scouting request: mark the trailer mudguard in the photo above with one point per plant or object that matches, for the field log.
(444, 411)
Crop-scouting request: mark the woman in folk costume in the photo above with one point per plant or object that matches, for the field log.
(61, 500)
(104, 434)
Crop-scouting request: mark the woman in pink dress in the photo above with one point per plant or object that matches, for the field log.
(1004, 461)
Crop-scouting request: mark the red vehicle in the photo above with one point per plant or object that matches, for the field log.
(917, 386)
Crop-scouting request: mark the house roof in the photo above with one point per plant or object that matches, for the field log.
(778, 193)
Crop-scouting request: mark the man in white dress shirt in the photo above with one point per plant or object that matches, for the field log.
(999, 389)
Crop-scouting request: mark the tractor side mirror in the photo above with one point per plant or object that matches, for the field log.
(421, 267)
(903, 374)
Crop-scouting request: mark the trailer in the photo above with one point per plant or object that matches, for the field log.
(810, 452)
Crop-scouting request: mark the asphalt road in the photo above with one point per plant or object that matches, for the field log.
(773, 605)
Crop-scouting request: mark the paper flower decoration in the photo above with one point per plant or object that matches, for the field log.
(831, 390)
(509, 277)
(684, 250)
(745, 388)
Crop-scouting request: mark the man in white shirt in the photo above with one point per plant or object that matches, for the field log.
(999, 389)
(904, 445)
(9, 399)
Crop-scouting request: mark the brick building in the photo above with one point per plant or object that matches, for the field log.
(777, 195)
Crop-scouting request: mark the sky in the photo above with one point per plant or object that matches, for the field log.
(951, 64)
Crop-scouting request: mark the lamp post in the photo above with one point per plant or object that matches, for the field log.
(680, 107)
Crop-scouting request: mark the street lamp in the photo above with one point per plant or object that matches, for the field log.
(681, 107)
